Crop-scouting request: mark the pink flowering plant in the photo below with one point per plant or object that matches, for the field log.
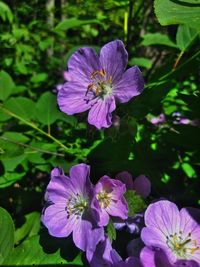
(99, 133)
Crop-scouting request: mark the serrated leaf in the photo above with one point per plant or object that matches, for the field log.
(31, 252)
(141, 61)
(111, 231)
(10, 178)
(157, 39)
(6, 234)
(185, 36)
(176, 12)
(73, 23)
(6, 85)
(21, 106)
(29, 228)
(46, 109)
(135, 202)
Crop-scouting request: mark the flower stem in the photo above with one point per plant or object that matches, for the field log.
(32, 125)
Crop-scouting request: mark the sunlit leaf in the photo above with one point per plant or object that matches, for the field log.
(177, 12)
(6, 234)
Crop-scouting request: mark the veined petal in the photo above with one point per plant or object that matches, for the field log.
(163, 215)
(57, 189)
(100, 113)
(86, 237)
(71, 98)
(114, 58)
(153, 238)
(131, 84)
(118, 209)
(82, 64)
(55, 219)
(79, 175)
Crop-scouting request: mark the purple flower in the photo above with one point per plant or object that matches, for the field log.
(134, 224)
(105, 255)
(97, 83)
(158, 120)
(141, 184)
(70, 211)
(175, 232)
(157, 258)
(109, 200)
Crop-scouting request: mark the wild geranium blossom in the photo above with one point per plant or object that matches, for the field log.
(175, 232)
(97, 83)
(109, 200)
(106, 256)
(69, 210)
(140, 184)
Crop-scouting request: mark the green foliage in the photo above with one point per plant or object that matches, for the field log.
(6, 85)
(74, 23)
(157, 39)
(46, 109)
(178, 12)
(135, 202)
(185, 36)
(141, 61)
(6, 234)
(30, 228)
(111, 231)
(36, 43)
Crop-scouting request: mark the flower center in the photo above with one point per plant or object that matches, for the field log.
(76, 205)
(104, 198)
(182, 246)
(100, 85)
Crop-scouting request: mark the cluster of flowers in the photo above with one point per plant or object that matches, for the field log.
(74, 205)
(168, 237)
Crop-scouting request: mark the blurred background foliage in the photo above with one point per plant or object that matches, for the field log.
(157, 134)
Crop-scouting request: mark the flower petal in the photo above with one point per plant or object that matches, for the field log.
(79, 175)
(142, 186)
(100, 113)
(55, 219)
(163, 216)
(130, 85)
(57, 189)
(126, 178)
(86, 237)
(114, 58)
(71, 98)
(82, 64)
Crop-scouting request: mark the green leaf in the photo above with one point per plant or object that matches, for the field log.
(10, 178)
(31, 252)
(135, 202)
(188, 169)
(5, 12)
(111, 231)
(6, 234)
(141, 61)
(74, 23)
(30, 228)
(16, 137)
(6, 85)
(38, 78)
(21, 106)
(177, 12)
(157, 39)
(185, 36)
(46, 109)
